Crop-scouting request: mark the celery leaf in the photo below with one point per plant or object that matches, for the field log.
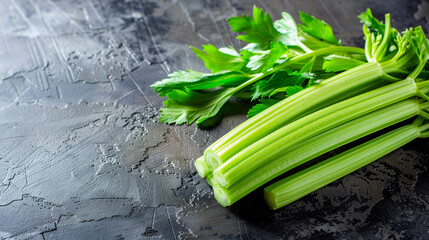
(188, 106)
(280, 79)
(264, 104)
(317, 28)
(265, 60)
(221, 59)
(370, 21)
(194, 80)
(289, 90)
(260, 29)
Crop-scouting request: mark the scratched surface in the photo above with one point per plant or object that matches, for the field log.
(82, 156)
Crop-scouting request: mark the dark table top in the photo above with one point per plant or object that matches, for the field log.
(83, 157)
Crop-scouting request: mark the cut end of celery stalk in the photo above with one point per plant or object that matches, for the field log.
(270, 200)
(220, 178)
(212, 160)
(221, 196)
(293, 193)
(202, 167)
(210, 180)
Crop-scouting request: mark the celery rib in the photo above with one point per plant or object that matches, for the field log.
(280, 141)
(323, 173)
(354, 92)
(317, 146)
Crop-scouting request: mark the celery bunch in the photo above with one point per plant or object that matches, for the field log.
(315, 95)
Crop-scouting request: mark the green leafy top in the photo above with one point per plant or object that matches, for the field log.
(264, 60)
(279, 82)
(260, 29)
(187, 106)
(254, 72)
(198, 81)
(264, 104)
(317, 28)
(371, 22)
(222, 59)
(404, 54)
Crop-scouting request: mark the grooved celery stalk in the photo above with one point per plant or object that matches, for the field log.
(298, 185)
(288, 109)
(283, 139)
(204, 169)
(317, 146)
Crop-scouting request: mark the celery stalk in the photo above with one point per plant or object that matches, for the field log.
(323, 173)
(317, 146)
(280, 141)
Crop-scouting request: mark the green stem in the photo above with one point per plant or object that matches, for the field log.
(397, 65)
(423, 86)
(280, 141)
(424, 105)
(422, 63)
(424, 128)
(320, 52)
(382, 49)
(424, 135)
(302, 183)
(368, 43)
(317, 146)
(424, 114)
(305, 48)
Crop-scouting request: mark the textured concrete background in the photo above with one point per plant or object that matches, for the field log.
(82, 156)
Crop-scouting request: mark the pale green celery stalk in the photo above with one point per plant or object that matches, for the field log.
(317, 146)
(203, 168)
(304, 182)
(290, 135)
(288, 109)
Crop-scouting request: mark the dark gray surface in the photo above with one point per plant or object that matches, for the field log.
(82, 156)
